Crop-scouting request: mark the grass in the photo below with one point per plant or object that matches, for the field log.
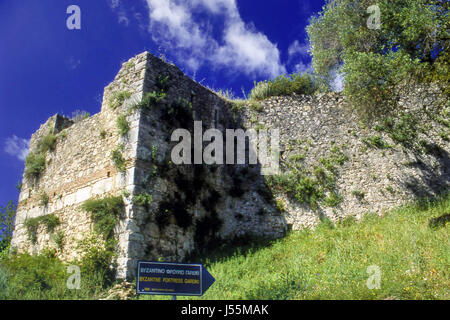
(34, 165)
(119, 161)
(105, 214)
(331, 262)
(118, 98)
(150, 100)
(283, 85)
(123, 125)
(50, 221)
(35, 161)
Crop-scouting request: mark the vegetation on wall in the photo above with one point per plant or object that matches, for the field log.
(105, 214)
(312, 187)
(118, 98)
(43, 199)
(154, 98)
(117, 158)
(35, 161)
(50, 221)
(284, 86)
(143, 199)
(122, 125)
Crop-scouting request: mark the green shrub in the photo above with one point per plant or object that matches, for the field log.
(123, 125)
(410, 47)
(105, 214)
(359, 194)
(118, 98)
(310, 186)
(59, 239)
(34, 165)
(44, 276)
(143, 199)
(47, 143)
(35, 161)
(50, 221)
(376, 142)
(283, 85)
(150, 100)
(97, 263)
(7, 217)
(118, 159)
(162, 82)
(44, 199)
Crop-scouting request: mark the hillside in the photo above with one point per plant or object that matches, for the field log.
(410, 247)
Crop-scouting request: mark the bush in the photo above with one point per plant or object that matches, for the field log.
(283, 85)
(379, 64)
(44, 276)
(50, 221)
(105, 214)
(47, 144)
(118, 159)
(118, 98)
(35, 161)
(34, 165)
(123, 125)
(7, 217)
(143, 199)
(150, 100)
(44, 199)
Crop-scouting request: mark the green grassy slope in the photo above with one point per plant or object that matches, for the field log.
(332, 262)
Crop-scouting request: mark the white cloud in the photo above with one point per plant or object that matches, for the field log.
(297, 48)
(299, 53)
(301, 67)
(337, 80)
(116, 5)
(17, 147)
(240, 48)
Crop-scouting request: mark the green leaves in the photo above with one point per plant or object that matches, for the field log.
(376, 62)
(7, 216)
(105, 214)
(283, 85)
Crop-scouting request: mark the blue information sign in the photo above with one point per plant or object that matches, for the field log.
(175, 279)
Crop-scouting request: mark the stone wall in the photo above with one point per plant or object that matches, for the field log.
(194, 207)
(193, 200)
(373, 179)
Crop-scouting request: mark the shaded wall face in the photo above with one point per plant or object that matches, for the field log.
(194, 206)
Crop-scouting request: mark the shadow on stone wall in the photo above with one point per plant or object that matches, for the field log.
(433, 179)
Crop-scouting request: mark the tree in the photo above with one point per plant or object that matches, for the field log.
(7, 217)
(378, 63)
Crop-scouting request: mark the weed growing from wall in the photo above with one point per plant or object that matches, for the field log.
(105, 214)
(50, 221)
(312, 187)
(118, 98)
(143, 200)
(43, 199)
(118, 159)
(283, 86)
(122, 125)
(35, 161)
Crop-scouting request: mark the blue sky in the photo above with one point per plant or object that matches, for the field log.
(45, 68)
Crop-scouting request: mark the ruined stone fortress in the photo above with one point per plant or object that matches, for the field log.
(196, 206)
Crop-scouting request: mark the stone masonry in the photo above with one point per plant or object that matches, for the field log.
(199, 206)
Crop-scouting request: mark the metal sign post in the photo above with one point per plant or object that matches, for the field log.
(175, 279)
